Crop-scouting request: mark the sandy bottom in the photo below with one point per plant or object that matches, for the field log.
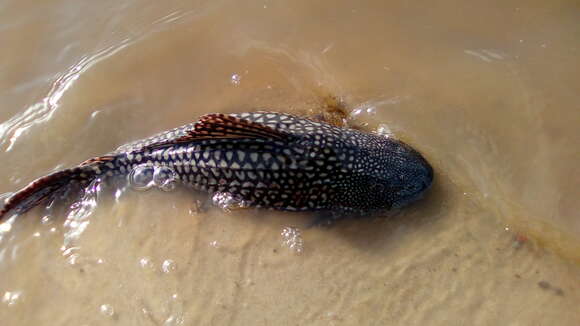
(486, 91)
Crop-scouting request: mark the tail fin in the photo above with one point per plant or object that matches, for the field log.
(44, 188)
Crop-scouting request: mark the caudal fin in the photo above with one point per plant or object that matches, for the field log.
(44, 188)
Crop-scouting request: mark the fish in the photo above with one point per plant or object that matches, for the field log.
(264, 159)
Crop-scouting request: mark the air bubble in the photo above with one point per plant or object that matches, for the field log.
(11, 298)
(107, 310)
(168, 266)
(384, 130)
(47, 219)
(235, 79)
(146, 263)
(175, 309)
(164, 178)
(173, 320)
(227, 201)
(141, 177)
(292, 238)
(146, 176)
(370, 108)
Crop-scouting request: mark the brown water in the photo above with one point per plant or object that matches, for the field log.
(487, 91)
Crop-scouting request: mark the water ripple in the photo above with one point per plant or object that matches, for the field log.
(42, 111)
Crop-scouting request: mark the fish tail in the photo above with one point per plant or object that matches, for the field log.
(45, 188)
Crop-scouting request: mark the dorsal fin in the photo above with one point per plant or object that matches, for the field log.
(100, 159)
(223, 126)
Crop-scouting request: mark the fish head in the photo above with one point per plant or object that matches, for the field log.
(397, 175)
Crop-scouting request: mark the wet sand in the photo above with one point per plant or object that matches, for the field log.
(486, 91)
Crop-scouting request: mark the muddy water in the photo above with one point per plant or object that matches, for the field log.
(487, 91)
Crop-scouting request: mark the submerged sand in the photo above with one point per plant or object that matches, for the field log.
(486, 91)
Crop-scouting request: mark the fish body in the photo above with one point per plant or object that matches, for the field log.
(265, 159)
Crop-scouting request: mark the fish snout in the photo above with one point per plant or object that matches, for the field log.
(418, 178)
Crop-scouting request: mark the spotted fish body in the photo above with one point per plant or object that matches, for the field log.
(266, 159)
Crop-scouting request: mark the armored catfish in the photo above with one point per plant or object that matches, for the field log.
(265, 159)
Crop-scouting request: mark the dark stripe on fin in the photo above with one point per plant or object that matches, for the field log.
(223, 126)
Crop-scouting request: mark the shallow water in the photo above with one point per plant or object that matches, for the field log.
(488, 92)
